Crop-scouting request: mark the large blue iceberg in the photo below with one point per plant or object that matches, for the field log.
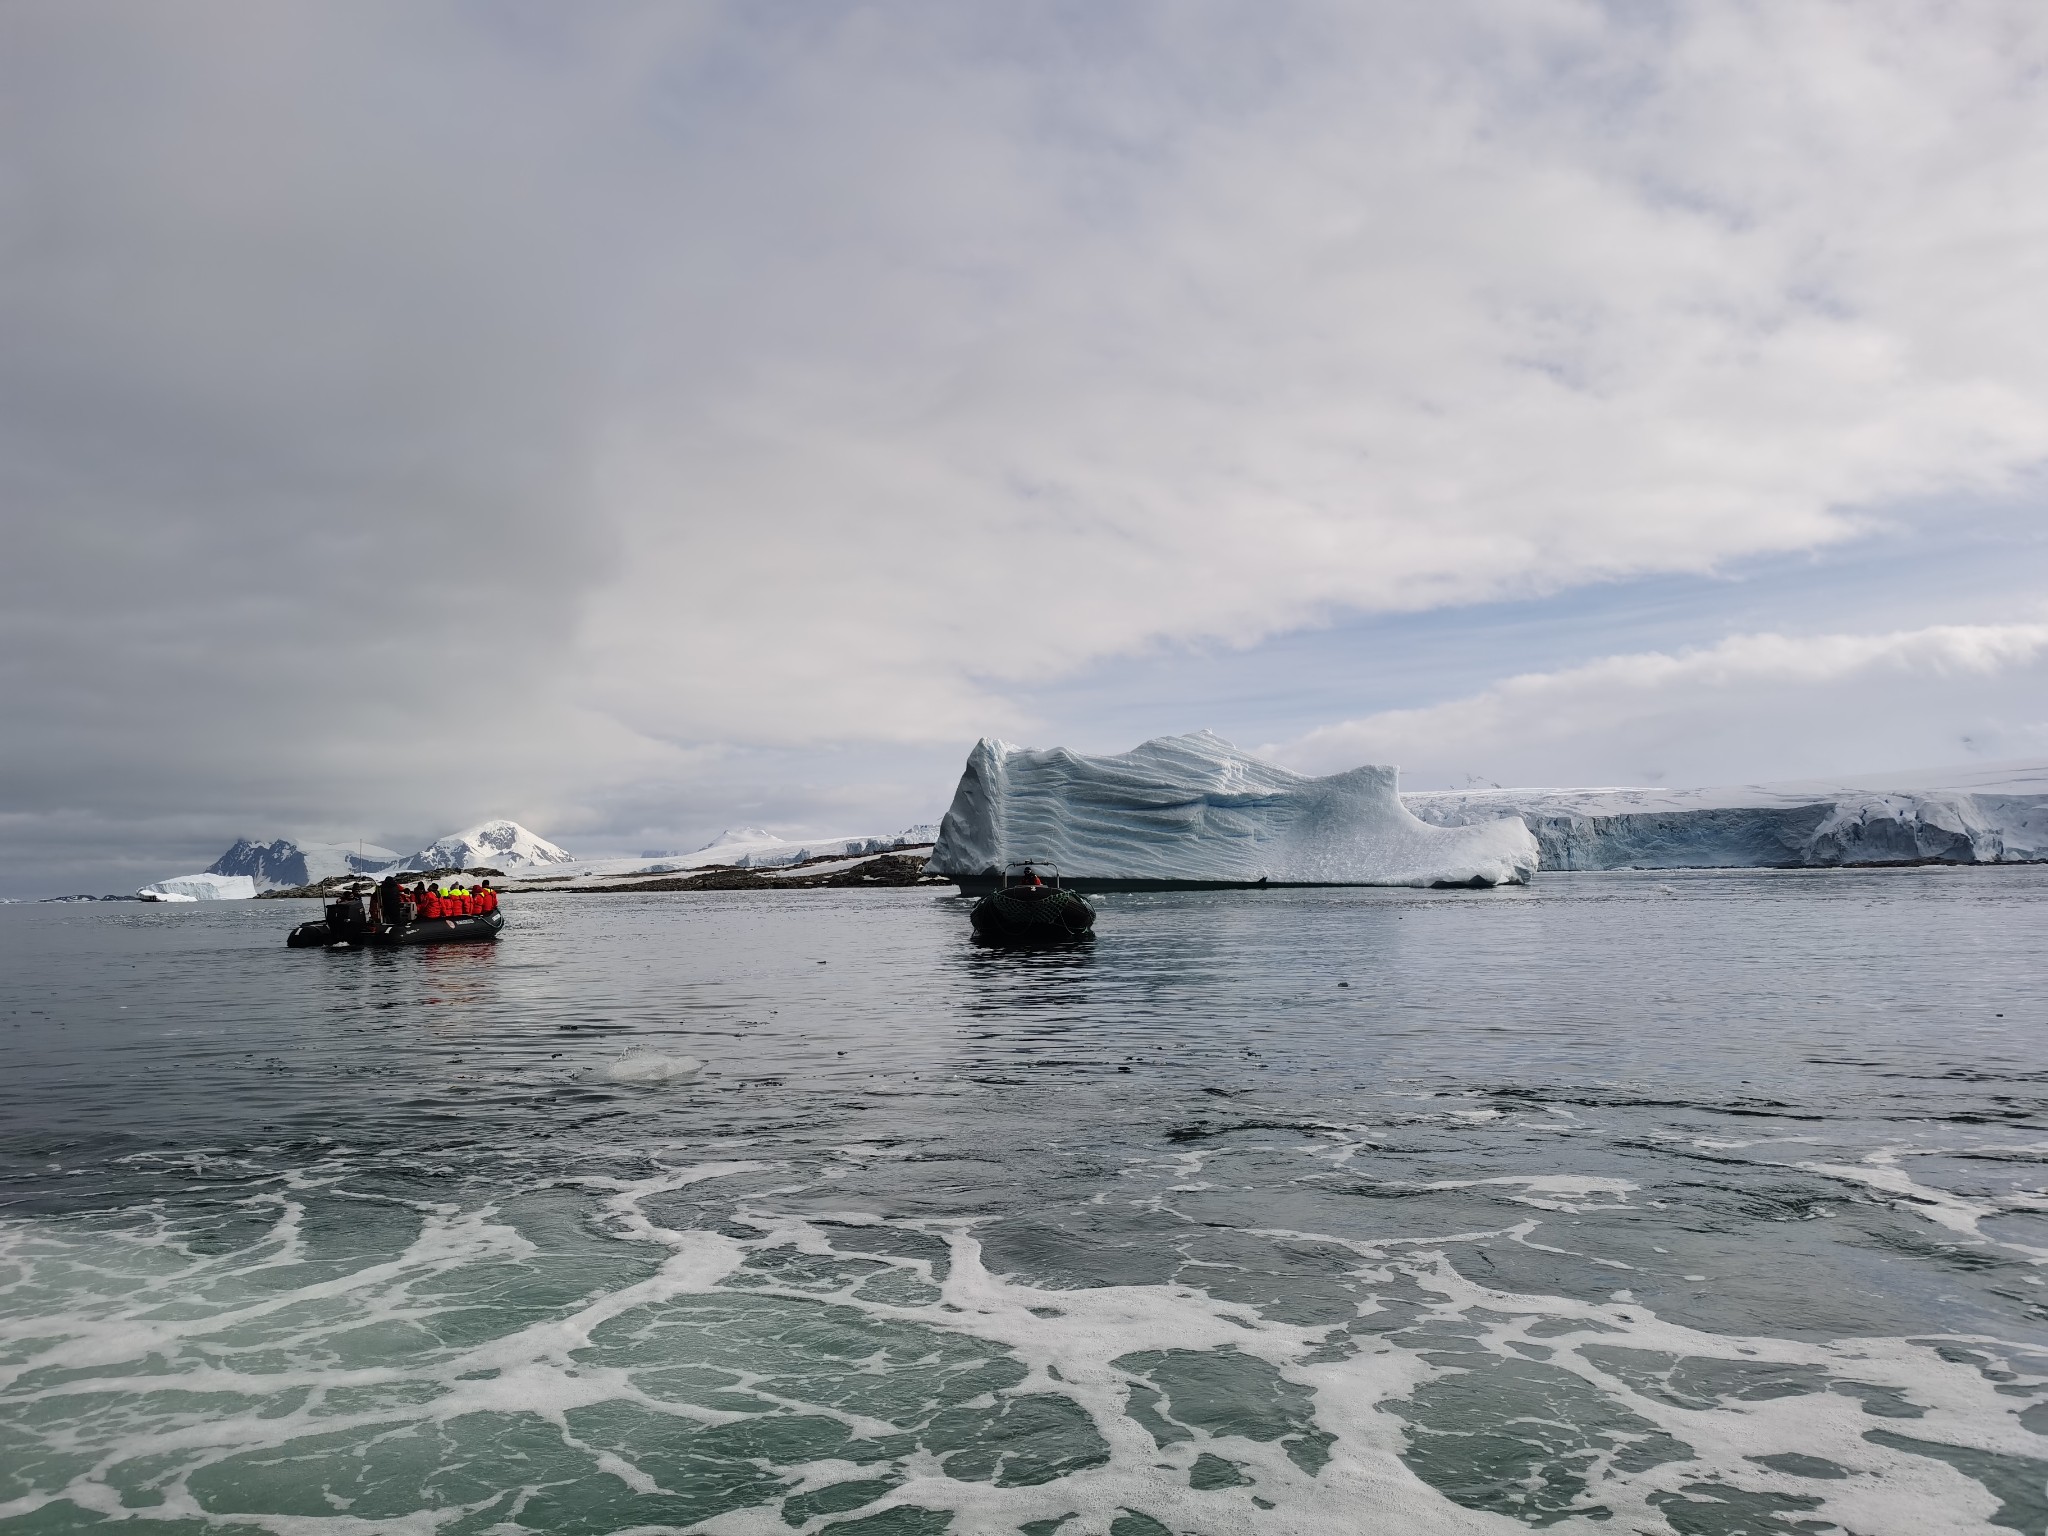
(1194, 810)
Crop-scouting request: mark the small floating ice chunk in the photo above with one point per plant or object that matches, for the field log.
(653, 1069)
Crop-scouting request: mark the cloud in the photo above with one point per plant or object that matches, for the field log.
(1754, 707)
(411, 414)
(1412, 313)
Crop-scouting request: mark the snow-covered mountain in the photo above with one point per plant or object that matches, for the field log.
(752, 848)
(249, 867)
(288, 863)
(497, 844)
(1194, 809)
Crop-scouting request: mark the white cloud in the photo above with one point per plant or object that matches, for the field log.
(610, 390)
(1754, 707)
(1413, 312)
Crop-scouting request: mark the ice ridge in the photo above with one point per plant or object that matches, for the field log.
(1194, 809)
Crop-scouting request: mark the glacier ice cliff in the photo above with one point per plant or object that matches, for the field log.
(1194, 810)
(1993, 814)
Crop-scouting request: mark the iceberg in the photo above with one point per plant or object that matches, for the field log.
(1195, 811)
(204, 887)
(1992, 814)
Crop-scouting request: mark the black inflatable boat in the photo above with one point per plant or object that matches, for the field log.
(347, 926)
(1029, 909)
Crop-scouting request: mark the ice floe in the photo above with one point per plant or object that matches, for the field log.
(653, 1069)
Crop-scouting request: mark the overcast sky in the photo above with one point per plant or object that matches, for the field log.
(637, 420)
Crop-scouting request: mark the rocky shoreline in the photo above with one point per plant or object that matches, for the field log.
(882, 870)
(868, 872)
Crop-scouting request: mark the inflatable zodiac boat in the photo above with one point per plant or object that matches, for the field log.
(348, 926)
(1027, 909)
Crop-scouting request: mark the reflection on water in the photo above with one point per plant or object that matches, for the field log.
(1700, 1203)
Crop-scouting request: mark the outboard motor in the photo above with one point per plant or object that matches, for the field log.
(346, 918)
(342, 921)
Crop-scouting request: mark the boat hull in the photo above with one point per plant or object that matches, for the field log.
(433, 930)
(1044, 915)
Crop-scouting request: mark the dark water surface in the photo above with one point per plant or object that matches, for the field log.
(1689, 1203)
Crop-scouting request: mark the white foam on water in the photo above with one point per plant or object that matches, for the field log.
(1545, 1191)
(1880, 1170)
(134, 1314)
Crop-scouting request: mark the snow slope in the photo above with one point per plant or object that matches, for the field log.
(751, 848)
(502, 845)
(1989, 814)
(288, 863)
(1195, 809)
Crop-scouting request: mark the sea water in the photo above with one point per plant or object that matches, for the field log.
(1693, 1203)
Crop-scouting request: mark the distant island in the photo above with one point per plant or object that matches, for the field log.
(519, 859)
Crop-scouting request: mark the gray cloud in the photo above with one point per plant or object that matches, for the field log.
(1749, 709)
(293, 449)
(623, 416)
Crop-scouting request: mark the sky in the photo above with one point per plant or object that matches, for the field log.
(639, 420)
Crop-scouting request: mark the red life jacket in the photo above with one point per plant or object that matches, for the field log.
(430, 908)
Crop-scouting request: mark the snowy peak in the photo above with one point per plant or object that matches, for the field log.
(741, 836)
(499, 844)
